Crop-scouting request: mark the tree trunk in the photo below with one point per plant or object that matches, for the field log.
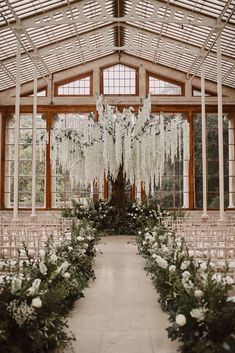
(118, 191)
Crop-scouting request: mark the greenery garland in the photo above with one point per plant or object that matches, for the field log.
(192, 292)
(36, 294)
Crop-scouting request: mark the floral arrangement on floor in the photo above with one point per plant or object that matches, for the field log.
(37, 293)
(108, 219)
(192, 292)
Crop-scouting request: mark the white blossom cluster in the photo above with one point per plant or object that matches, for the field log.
(21, 312)
(87, 148)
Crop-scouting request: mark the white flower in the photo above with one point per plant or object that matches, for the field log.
(63, 268)
(53, 258)
(43, 268)
(66, 275)
(199, 313)
(35, 287)
(90, 237)
(186, 275)
(202, 266)
(228, 280)
(180, 319)
(21, 312)
(217, 277)
(185, 265)
(36, 303)
(79, 238)
(154, 256)
(198, 293)
(16, 285)
(161, 262)
(70, 248)
(187, 284)
(172, 268)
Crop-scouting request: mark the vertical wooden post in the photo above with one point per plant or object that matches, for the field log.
(132, 193)
(106, 188)
(143, 193)
(191, 160)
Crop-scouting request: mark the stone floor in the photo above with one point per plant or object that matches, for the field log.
(120, 312)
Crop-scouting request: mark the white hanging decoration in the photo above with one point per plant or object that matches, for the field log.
(141, 143)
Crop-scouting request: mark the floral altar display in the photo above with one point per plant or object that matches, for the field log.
(139, 143)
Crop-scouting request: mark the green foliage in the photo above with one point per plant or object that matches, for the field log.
(37, 294)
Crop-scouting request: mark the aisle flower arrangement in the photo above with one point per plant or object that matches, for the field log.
(37, 293)
(195, 296)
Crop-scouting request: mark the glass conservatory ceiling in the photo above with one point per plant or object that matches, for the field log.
(58, 34)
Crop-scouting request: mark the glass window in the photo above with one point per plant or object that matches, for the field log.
(119, 79)
(212, 161)
(42, 93)
(76, 88)
(160, 87)
(25, 162)
(198, 93)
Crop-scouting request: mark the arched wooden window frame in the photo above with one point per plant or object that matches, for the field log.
(124, 64)
(73, 79)
(166, 79)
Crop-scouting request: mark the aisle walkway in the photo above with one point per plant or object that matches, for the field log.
(120, 312)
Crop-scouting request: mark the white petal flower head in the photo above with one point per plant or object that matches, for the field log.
(53, 258)
(36, 303)
(203, 265)
(70, 248)
(217, 277)
(161, 262)
(172, 268)
(185, 265)
(66, 275)
(186, 275)
(228, 280)
(79, 238)
(198, 313)
(16, 284)
(198, 293)
(35, 287)
(64, 267)
(180, 319)
(43, 268)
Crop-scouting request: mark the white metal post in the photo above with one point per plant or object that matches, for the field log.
(220, 131)
(186, 173)
(185, 183)
(204, 166)
(17, 133)
(34, 146)
(231, 161)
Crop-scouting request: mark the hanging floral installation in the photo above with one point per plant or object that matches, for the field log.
(141, 143)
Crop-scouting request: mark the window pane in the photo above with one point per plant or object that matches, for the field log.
(119, 79)
(157, 86)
